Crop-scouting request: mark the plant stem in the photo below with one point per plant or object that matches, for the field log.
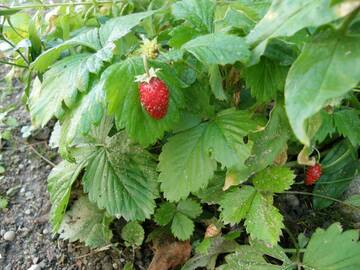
(323, 197)
(38, 6)
(146, 67)
(2, 37)
(12, 64)
(294, 250)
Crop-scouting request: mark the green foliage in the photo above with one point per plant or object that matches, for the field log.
(340, 166)
(324, 249)
(309, 87)
(133, 234)
(249, 83)
(121, 178)
(180, 216)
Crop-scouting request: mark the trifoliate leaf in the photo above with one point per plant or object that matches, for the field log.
(339, 167)
(262, 220)
(121, 178)
(165, 213)
(270, 142)
(86, 223)
(200, 13)
(310, 86)
(185, 162)
(62, 84)
(347, 123)
(180, 217)
(333, 249)
(274, 179)
(218, 48)
(133, 234)
(265, 79)
(123, 100)
(182, 227)
(60, 181)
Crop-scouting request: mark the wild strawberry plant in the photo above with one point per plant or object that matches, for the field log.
(190, 112)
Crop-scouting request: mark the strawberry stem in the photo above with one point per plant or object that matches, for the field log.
(146, 67)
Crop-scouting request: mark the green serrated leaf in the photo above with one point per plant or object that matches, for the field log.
(262, 220)
(218, 48)
(190, 208)
(182, 227)
(118, 27)
(236, 204)
(347, 123)
(60, 181)
(329, 68)
(333, 249)
(133, 234)
(87, 112)
(286, 17)
(185, 162)
(88, 38)
(185, 166)
(62, 84)
(165, 213)
(121, 178)
(265, 79)
(199, 13)
(86, 223)
(270, 142)
(274, 179)
(123, 100)
(215, 246)
(252, 257)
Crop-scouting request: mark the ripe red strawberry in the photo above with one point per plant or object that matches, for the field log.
(313, 174)
(154, 96)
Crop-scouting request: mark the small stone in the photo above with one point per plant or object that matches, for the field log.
(21, 166)
(29, 194)
(115, 266)
(35, 260)
(9, 236)
(22, 190)
(35, 267)
(27, 212)
(45, 231)
(2, 232)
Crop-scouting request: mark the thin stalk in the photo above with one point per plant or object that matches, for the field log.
(12, 64)
(294, 250)
(38, 6)
(2, 37)
(146, 66)
(323, 197)
(296, 245)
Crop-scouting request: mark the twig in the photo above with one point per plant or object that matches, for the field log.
(95, 251)
(37, 6)
(12, 64)
(41, 156)
(322, 196)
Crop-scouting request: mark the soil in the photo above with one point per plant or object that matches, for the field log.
(24, 185)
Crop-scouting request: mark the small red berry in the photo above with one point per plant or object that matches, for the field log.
(154, 96)
(313, 174)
